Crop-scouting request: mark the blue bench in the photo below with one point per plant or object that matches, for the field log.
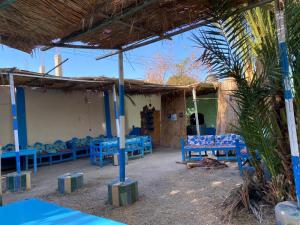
(147, 143)
(27, 153)
(228, 147)
(102, 149)
(134, 147)
(80, 147)
(49, 154)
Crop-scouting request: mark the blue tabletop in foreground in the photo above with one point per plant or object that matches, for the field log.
(35, 211)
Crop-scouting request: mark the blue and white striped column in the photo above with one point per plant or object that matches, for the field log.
(15, 121)
(288, 95)
(116, 111)
(122, 118)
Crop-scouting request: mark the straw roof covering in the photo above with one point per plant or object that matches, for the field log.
(105, 24)
(100, 83)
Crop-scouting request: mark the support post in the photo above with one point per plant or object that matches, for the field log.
(288, 95)
(15, 121)
(122, 118)
(15, 129)
(116, 111)
(21, 113)
(196, 111)
(107, 114)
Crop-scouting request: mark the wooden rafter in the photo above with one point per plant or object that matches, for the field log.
(102, 25)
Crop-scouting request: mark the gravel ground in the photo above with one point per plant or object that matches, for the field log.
(169, 192)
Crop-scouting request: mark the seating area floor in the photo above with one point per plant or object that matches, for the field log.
(169, 192)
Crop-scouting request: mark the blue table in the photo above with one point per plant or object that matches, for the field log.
(23, 152)
(37, 212)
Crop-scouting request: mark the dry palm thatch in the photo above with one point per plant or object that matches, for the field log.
(27, 24)
(248, 195)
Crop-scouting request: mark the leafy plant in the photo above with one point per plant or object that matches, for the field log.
(244, 45)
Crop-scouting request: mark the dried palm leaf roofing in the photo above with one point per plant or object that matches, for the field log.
(103, 24)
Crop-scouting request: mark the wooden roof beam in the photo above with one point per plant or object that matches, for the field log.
(63, 45)
(176, 32)
(102, 25)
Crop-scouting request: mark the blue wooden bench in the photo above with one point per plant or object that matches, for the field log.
(27, 153)
(134, 147)
(147, 143)
(228, 147)
(49, 154)
(221, 146)
(80, 147)
(101, 150)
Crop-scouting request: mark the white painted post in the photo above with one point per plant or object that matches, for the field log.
(116, 110)
(288, 95)
(196, 110)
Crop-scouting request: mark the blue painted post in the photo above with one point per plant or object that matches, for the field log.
(107, 114)
(122, 118)
(15, 121)
(280, 20)
(116, 111)
(21, 113)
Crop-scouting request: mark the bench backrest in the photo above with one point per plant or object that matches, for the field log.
(213, 140)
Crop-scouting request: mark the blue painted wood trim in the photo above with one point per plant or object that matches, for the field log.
(107, 114)
(21, 114)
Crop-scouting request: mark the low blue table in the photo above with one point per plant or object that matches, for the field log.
(37, 212)
(23, 152)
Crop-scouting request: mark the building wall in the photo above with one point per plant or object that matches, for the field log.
(226, 118)
(173, 129)
(57, 114)
(207, 105)
(6, 135)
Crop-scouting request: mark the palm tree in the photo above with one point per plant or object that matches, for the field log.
(242, 43)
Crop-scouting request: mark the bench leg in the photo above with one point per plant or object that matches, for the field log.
(35, 164)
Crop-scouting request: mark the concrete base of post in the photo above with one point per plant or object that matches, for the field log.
(69, 182)
(287, 213)
(18, 182)
(122, 193)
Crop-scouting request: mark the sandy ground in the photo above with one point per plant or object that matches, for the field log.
(169, 192)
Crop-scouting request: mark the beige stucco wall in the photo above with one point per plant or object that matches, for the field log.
(6, 135)
(57, 114)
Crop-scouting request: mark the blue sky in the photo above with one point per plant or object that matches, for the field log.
(82, 62)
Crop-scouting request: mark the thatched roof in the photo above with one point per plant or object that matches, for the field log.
(100, 83)
(105, 24)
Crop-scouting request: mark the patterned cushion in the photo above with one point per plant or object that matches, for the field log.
(202, 140)
(8, 148)
(226, 139)
(50, 148)
(60, 145)
(39, 147)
